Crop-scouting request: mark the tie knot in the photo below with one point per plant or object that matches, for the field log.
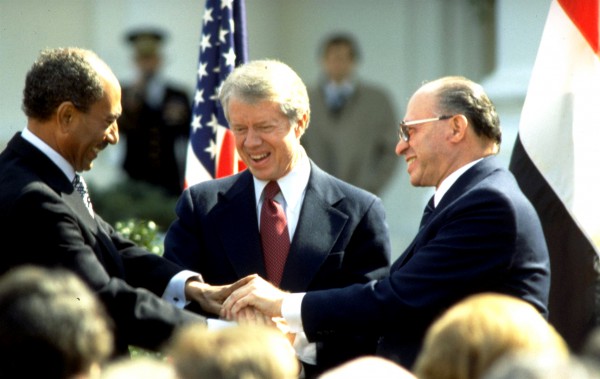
(271, 190)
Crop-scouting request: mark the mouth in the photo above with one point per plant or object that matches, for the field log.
(409, 163)
(259, 157)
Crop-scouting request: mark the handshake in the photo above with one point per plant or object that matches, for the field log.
(249, 300)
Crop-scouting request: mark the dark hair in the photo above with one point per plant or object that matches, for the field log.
(51, 324)
(459, 95)
(341, 39)
(60, 75)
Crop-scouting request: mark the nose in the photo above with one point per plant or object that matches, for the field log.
(113, 134)
(401, 147)
(252, 138)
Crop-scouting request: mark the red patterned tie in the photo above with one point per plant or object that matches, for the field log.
(274, 234)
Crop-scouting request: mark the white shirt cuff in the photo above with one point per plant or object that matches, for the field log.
(175, 291)
(291, 310)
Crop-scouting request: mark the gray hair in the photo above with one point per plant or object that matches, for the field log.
(59, 75)
(459, 95)
(268, 80)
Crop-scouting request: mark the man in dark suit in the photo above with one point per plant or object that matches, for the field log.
(480, 234)
(72, 102)
(336, 233)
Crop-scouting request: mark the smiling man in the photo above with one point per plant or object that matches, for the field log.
(329, 234)
(479, 234)
(72, 101)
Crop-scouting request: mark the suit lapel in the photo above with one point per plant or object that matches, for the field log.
(319, 227)
(52, 176)
(237, 225)
(466, 181)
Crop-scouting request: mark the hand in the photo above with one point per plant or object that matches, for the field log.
(255, 292)
(210, 297)
(251, 316)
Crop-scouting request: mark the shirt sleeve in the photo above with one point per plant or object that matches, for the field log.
(291, 308)
(175, 291)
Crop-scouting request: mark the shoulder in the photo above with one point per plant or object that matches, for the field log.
(372, 89)
(211, 190)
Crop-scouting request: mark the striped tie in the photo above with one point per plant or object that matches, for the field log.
(81, 187)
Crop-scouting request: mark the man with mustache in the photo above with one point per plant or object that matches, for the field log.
(72, 101)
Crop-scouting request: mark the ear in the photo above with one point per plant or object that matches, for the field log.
(459, 125)
(65, 116)
(301, 125)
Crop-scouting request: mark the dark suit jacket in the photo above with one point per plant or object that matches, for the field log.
(341, 238)
(44, 222)
(483, 236)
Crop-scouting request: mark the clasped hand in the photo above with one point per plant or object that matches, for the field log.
(250, 299)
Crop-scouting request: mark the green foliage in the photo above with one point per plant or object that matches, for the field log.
(144, 233)
(133, 200)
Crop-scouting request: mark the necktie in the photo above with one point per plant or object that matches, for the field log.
(427, 213)
(274, 234)
(81, 187)
(338, 101)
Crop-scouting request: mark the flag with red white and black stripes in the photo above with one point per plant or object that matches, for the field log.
(556, 160)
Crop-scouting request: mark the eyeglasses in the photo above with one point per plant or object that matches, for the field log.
(403, 128)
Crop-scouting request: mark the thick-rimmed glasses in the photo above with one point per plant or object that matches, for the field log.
(403, 128)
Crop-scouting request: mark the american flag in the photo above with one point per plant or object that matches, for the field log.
(211, 150)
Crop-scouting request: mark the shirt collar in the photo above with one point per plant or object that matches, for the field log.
(292, 185)
(332, 88)
(55, 157)
(450, 180)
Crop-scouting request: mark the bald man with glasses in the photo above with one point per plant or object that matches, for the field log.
(480, 234)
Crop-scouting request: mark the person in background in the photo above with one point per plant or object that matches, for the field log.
(51, 326)
(333, 234)
(368, 367)
(351, 120)
(156, 117)
(479, 233)
(72, 101)
(475, 333)
(143, 367)
(244, 351)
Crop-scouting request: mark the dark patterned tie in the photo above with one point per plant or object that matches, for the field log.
(274, 234)
(427, 213)
(81, 187)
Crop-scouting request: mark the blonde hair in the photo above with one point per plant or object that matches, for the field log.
(244, 351)
(468, 338)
